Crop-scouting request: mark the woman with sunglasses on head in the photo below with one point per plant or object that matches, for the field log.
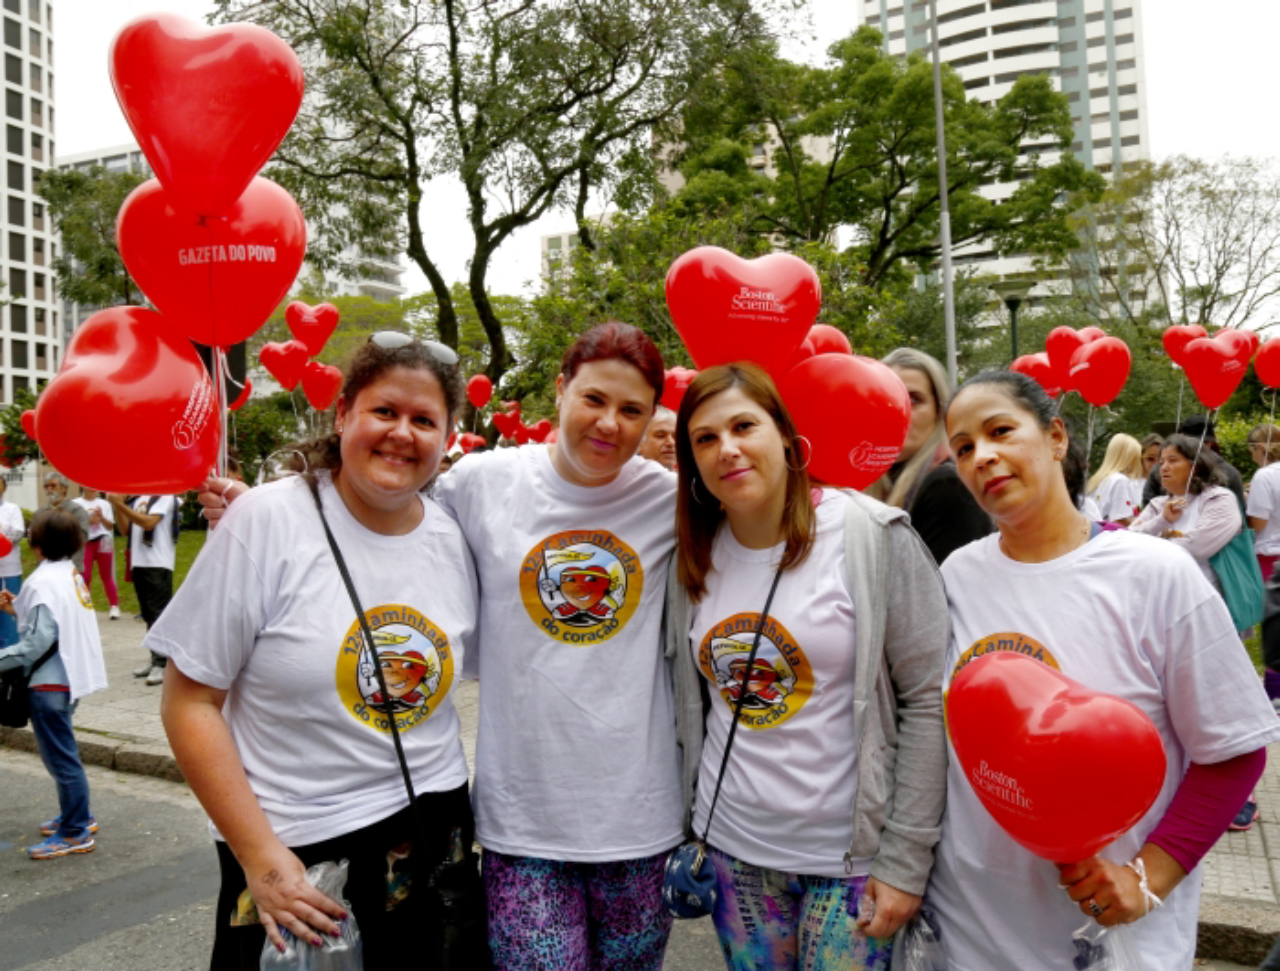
(834, 783)
(273, 702)
(1123, 615)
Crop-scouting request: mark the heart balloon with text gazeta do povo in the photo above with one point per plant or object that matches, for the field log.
(729, 309)
(1063, 769)
(219, 278)
(127, 369)
(208, 105)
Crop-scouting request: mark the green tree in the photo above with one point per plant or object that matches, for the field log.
(262, 426)
(83, 207)
(19, 448)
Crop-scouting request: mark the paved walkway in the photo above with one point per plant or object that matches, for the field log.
(1239, 917)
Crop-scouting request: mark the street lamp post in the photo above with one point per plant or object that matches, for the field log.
(1013, 293)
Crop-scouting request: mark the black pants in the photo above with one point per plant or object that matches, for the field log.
(154, 586)
(384, 865)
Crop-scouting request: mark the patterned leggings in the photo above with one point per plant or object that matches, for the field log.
(772, 921)
(551, 915)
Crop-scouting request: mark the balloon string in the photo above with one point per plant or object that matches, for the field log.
(1182, 383)
(224, 409)
(1203, 432)
(1088, 452)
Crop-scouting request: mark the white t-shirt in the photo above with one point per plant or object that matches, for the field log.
(12, 526)
(59, 586)
(108, 516)
(161, 552)
(1090, 509)
(1125, 614)
(787, 798)
(576, 755)
(1119, 497)
(1264, 503)
(265, 614)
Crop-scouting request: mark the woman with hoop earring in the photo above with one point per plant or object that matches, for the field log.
(827, 808)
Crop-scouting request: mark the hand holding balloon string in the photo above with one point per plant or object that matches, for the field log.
(1113, 893)
(216, 494)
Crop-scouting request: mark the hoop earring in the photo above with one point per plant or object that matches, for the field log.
(693, 491)
(808, 454)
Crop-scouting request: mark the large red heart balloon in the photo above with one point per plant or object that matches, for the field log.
(130, 369)
(1099, 370)
(1177, 337)
(855, 412)
(284, 362)
(208, 106)
(1063, 342)
(311, 325)
(219, 278)
(1038, 368)
(1267, 363)
(828, 340)
(1064, 770)
(1215, 366)
(321, 384)
(677, 381)
(479, 390)
(729, 309)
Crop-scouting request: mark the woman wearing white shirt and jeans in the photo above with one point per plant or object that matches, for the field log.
(13, 529)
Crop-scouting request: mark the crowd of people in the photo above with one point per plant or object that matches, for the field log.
(679, 634)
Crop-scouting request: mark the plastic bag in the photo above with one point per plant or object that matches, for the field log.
(919, 946)
(1105, 949)
(341, 953)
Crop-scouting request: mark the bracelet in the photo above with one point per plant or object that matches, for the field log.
(1139, 866)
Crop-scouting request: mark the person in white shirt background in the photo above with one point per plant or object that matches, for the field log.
(153, 556)
(100, 548)
(1263, 507)
(13, 528)
(1117, 485)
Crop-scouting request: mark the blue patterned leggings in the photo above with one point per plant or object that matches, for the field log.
(772, 921)
(551, 915)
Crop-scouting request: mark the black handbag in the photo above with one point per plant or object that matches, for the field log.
(15, 688)
(457, 939)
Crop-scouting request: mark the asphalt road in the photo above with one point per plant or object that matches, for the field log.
(144, 898)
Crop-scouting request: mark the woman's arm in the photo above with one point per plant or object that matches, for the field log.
(1219, 521)
(126, 515)
(206, 754)
(1151, 520)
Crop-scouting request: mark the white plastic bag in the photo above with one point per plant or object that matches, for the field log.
(342, 953)
(1105, 949)
(919, 946)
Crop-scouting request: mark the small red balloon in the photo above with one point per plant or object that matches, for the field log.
(674, 386)
(1267, 363)
(284, 362)
(1035, 745)
(321, 384)
(828, 340)
(312, 325)
(1100, 369)
(6, 545)
(1038, 368)
(1216, 365)
(540, 429)
(29, 423)
(479, 390)
(1177, 337)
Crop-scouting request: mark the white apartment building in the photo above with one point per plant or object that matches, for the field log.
(1090, 49)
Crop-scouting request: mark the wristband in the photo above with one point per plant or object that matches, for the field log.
(1139, 866)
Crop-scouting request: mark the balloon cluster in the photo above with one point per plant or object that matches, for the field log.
(1215, 365)
(853, 410)
(288, 361)
(212, 246)
(511, 426)
(1086, 361)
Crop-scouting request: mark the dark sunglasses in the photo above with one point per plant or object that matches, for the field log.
(390, 340)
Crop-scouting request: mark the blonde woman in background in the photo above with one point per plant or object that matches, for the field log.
(923, 481)
(1117, 485)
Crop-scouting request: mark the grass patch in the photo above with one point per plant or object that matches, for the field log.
(190, 542)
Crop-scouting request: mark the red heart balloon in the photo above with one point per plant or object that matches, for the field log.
(132, 370)
(468, 441)
(29, 423)
(1061, 344)
(1038, 368)
(803, 352)
(1240, 344)
(1267, 363)
(826, 339)
(506, 422)
(245, 393)
(208, 106)
(1034, 744)
(540, 429)
(854, 411)
(1215, 366)
(1099, 370)
(311, 325)
(6, 545)
(321, 384)
(521, 434)
(219, 278)
(284, 362)
(674, 386)
(728, 309)
(479, 390)
(1177, 337)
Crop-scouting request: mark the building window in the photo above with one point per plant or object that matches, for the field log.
(37, 146)
(13, 34)
(1021, 25)
(37, 79)
(41, 362)
(1129, 115)
(976, 83)
(17, 282)
(968, 35)
(13, 104)
(19, 351)
(13, 69)
(1128, 64)
(1066, 23)
(1006, 4)
(1098, 41)
(117, 163)
(1068, 48)
(1022, 51)
(1129, 142)
(17, 247)
(17, 212)
(13, 6)
(1122, 14)
(37, 112)
(33, 39)
(40, 324)
(20, 383)
(16, 176)
(33, 10)
(1069, 72)
(1094, 18)
(13, 139)
(960, 62)
(978, 8)
(37, 251)
(18, 318)
(896, 35)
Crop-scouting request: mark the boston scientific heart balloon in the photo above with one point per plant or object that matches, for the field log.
(284, 362)
(1099, 370)
(321, 384)
(130, 370)
(855, 412)
(729, 309)
(219, 278)
(1064, 770)
(1038, 368)
(311, 325)
(828, 340)
(1267, 363)
(1216, 365)
(1177, 337)
(208, 106)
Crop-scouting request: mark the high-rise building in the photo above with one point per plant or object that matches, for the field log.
(1090, 49)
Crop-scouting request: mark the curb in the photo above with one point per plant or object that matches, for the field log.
(108, 752)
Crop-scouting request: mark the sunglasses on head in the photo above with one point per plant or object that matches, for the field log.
(390, 340)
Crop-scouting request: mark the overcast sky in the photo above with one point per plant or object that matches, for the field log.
(1209, 86)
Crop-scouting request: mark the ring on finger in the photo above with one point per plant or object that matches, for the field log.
(1094, 908)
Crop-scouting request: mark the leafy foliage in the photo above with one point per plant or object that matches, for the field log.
(18, 448)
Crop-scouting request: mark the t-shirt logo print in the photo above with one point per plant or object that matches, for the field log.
(780, 680)
(581, 586)
(416, 662)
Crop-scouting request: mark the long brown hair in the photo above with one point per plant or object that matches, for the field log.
(698, 514)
